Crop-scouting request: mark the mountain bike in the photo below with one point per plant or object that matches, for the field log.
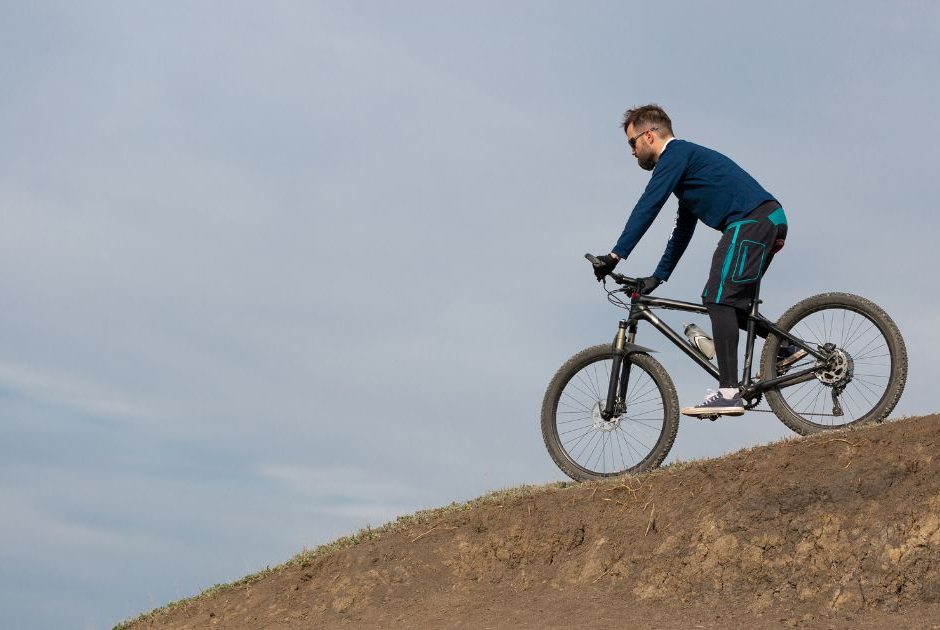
(612, 409)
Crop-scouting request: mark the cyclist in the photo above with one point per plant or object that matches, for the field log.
(719, 193)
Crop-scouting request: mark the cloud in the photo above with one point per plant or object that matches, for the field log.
(84, 397)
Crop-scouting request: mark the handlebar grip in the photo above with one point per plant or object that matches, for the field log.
(619, 279)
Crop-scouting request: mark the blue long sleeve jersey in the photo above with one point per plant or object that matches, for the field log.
(710, 188)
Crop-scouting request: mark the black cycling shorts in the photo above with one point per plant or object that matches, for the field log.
(743, 255)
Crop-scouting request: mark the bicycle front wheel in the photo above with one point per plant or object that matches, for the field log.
(582, 443)
(864, 377)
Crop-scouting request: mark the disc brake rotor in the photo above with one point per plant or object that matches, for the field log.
(599, 422)
(838, 371)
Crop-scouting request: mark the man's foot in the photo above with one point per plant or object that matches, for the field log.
(717, 405)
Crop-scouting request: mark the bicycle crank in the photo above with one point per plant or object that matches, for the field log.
(753, 402)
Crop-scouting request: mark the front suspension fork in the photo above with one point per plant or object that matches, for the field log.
(619, 372)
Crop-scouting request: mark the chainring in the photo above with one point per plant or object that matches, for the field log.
(750, 404)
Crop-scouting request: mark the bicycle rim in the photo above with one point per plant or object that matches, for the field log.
(862, 377)
(621, 444)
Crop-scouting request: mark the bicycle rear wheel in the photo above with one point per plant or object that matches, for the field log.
(582, 443)
(866, 373)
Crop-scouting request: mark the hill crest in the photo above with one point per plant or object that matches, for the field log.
(839, 529)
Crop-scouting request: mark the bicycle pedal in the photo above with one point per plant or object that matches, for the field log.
(712, 418)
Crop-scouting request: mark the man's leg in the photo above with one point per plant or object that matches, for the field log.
(761, 330)
(725, 331)
(727, 400)
(726, 321)
(743, 254)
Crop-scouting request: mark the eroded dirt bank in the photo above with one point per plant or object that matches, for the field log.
(839, 530)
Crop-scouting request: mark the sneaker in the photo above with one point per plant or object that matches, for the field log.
(717, 405)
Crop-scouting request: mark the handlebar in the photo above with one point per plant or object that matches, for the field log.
(618, 278)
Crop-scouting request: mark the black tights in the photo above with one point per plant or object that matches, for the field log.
(726, 320)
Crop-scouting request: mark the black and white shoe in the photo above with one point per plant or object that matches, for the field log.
(717, 405)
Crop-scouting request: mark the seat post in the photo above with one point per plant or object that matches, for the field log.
(756, 299)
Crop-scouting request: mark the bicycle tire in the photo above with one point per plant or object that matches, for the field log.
(641, 396)
(852, 333)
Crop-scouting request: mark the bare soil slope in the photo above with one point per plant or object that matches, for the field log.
(840, 530)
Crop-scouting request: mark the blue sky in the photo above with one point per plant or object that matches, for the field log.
(275, 272)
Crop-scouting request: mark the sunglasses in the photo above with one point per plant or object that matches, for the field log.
(633, 140)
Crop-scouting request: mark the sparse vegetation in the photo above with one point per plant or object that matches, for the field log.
(800, 527)
(305, 557)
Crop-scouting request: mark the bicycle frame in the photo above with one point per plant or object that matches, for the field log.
(641, 310)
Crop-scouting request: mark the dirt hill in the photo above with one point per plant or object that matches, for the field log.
(840, 530)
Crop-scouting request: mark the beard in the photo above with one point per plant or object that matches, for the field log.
(646, 163)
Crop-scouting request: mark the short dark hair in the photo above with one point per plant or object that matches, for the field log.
(648, 116)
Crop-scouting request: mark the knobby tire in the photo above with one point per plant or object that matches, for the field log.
(641, 437)
(879, 373)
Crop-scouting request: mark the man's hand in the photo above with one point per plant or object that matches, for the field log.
(648, 284)
(607, 264)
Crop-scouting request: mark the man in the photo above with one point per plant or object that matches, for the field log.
(719, 193)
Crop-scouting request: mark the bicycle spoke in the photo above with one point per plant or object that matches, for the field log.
(580, 404)
(864, 373)
(637, 440)
(621, 442)
(596, 381)
(623, 460)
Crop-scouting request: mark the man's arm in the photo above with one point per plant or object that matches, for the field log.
(678, 242)
(665, 177)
